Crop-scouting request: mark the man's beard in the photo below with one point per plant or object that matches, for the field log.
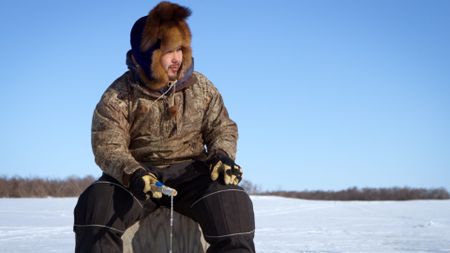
(175, 76)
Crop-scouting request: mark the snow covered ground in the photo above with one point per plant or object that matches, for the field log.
(289, 225)
(282, 225)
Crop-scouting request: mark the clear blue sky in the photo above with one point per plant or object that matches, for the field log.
(327, 94)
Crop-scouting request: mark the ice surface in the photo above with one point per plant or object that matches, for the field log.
(36, 225)
(282, 225)
(290, 225)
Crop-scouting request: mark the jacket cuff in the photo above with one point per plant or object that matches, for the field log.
(219, 153)
(126, 176)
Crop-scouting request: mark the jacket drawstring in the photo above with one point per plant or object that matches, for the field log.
(172, 105)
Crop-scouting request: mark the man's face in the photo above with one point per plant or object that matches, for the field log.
(171, 62)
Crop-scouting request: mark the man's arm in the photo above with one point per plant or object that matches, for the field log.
(111, 137)
(219, 131)
(220, 135)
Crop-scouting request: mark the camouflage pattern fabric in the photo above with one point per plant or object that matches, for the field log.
(132, 129)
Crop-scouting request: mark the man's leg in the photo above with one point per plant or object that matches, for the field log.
(225, 213)
(103, 212)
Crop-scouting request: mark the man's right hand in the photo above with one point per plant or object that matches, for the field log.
(141, 183)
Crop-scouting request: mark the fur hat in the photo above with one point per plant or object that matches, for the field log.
(163, 29)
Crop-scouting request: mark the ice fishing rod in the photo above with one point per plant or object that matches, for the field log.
(166, 190)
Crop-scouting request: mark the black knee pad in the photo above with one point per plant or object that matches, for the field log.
(97, 239)
(225, 212)
(107, 204)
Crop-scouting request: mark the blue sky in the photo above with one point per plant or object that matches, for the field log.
(327, 94)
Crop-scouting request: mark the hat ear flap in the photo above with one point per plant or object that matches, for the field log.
(160, 77)
(187, 61)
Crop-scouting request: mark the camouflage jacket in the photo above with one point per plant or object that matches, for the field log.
(133, 129)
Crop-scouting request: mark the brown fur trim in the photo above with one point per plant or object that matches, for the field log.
(166, 23)
(160, 77)
(164, 16)
(187, 61)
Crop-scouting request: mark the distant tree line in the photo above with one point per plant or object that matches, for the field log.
(354, 193)
(19, 187)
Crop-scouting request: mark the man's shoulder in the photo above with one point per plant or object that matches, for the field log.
(201, 78)
(119, 88)
(203, 82)
(122, 82)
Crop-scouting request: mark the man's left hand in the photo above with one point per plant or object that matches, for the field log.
(223, 166)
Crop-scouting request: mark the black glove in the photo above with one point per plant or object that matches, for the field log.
(142, 185)
(221, 165)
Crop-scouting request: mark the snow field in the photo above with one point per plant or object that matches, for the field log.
(282, 225)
